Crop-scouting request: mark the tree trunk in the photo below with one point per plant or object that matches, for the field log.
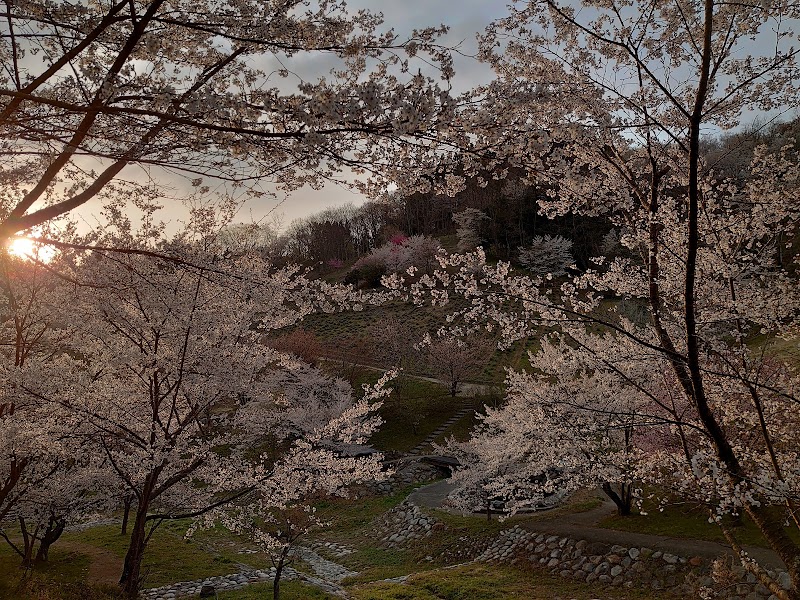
(12, 476)
(126, 514)
(28, 542)
(55, 527)
(276, 583)
(623, 500)
(131, 576)
(132, 567)
(787, 550)
(770, 527)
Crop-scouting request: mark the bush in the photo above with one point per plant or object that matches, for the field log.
(368, 275)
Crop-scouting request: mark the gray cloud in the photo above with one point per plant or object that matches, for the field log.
(466, 19)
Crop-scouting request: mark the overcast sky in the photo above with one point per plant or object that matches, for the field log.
(464, 17)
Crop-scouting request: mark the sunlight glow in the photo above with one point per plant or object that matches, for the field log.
(23, 247)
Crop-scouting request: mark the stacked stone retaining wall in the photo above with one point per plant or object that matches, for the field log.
(641, 567)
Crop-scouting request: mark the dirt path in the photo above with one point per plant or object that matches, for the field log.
(584, 525)
(104, 565)
(466, 389)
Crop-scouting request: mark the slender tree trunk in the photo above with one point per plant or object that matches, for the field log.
(276, 583)
(126, 514)
(770, 527)
(760, 573)
(786, 549)
(55, 527)
(28, 542)
(132, 567)
(623, 500)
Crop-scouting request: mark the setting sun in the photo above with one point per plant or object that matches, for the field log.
(23, 247)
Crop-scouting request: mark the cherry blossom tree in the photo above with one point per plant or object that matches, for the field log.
(144, 378)
(562, 428)
(418, 252)
(390, 343)
(45, 472)
(469, 223)
(606, 107)
(315, 416)
(168, 351)
(201, 91)
(246, 238)
(547, 254)
(300, 342)
(454, 359)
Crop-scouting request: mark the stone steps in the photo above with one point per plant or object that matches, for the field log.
(327, 577)
(441, 429)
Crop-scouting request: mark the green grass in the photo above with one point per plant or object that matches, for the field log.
(409, 387)
(345, 327)
(170, 557)
(413, 412)
(37, 589)
(347, 519)
(375, 563)
(784, 349)
(477, 526)
(491, 582)
(685, 521)
(290, 590)
(64, 569)
(107, 537)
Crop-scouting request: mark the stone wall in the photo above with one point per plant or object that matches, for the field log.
(684, 577)
(403, 523)
(590, 562)
(407, 474)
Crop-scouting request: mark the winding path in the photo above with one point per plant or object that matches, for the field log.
(466, 389)
(584, 525)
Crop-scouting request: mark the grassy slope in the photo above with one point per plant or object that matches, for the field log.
(682, 521)
(64, 569)
(96, 555)
(491, 582)
(409, 420)
(170, 558)
(345, 335)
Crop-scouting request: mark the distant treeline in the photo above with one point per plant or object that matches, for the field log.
(339, 236)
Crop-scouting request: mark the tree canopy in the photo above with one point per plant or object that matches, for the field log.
(202, 91)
